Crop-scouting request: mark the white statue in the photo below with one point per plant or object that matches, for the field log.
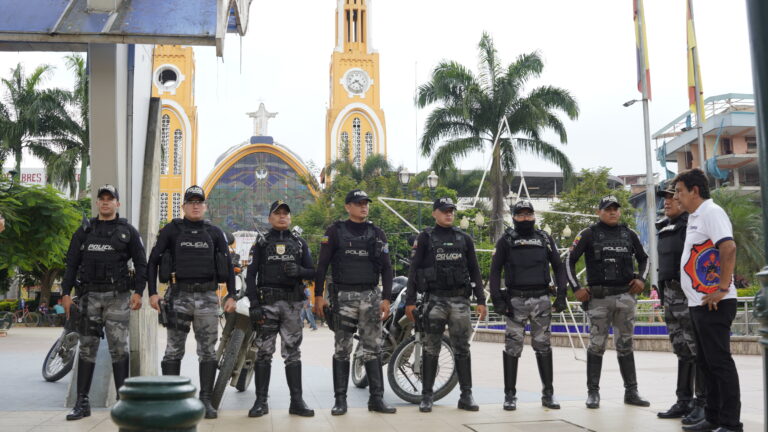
(260, 120)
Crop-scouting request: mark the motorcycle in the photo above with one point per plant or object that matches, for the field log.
(402, 352)
(61, 357)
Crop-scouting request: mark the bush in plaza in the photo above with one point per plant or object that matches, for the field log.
(9, 305)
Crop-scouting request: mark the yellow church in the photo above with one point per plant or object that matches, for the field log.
(173, 81)
(354, 121)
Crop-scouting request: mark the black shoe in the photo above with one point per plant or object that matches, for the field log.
(697, 414)
(428, 373)
(684, 392)
(678, 410)
(544, 361)
(82, 406)
(628, 373)
(464, 371)
(376, 386)
(510, 381)
(594, 367)
(207, 377)
(725, 429)
(702, 426)
(340, 384)
(120, 370)
(170, 367)
(293, 377)
(261, 371)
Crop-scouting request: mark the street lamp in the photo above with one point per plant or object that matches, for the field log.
(567, 231)
(12, 175)
(432, 182)
(404, 177)
(547, 229)
(464, 223)
(480, 222)
(630, 102)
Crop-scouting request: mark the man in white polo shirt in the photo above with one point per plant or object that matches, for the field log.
(706, 269)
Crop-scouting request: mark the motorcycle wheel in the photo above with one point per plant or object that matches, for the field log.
(227, 366)
(61, 357)
(405, 381)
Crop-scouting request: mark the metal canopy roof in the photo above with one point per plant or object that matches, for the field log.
(61, 25)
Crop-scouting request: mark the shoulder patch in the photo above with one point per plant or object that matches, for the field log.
(385, 248)
(324, 240)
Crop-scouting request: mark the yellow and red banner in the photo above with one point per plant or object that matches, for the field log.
(641, 46)
(694, 71)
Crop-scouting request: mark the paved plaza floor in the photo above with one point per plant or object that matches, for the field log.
(28, 403)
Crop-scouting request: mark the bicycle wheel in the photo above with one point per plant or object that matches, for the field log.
(61, 357)
(32, 319)
(359, 378)
(227, 366)
(6, 320)
(405, 377)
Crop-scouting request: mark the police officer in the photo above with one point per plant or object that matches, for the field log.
(444, 266)
(358, 253)
(198, 260)
(525, 253)
(609, 248)
(671, 231)
(97, 266)
(280, 262)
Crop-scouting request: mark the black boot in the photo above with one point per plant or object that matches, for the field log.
(120, 370)
(293, 377)
(594, 367)
(207, 377)
(544, 361)
(170, 367)
(376, 387)
(684, 405)
(261, 371)
(628, 373)
(82, 406)
(340, 383)
(510, 381)
(428, 373)
(697, 413)
(464, 371)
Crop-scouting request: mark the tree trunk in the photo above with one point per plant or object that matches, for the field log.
(497, 196)
(83, 177)
(18, 155)
(46, 282)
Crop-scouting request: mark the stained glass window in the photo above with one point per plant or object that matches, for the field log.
(176, 205)
(343, 145)
(177, 153)
(163, 207)
(165, 131)
(368, 144)
(356, 141)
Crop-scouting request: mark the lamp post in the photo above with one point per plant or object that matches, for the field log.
(480, 222)
(12, 176)
(405, 178)
(432, 183)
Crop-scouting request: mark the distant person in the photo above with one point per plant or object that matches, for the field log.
(306, 312)
(58, 308)
(656, 305)
(2, 223)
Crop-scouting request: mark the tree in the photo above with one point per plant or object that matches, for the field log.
(747, 220)
(471, 107)
(40, 224)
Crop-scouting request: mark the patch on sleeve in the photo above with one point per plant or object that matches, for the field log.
(576, 241)
(324, 240)
(385, 248)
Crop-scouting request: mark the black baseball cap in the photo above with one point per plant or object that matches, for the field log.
(663, 189)
(522, 205)
(279, 204)
(443, 204)
(357, 195)
(108, 188)
(608, 201)
(194, 192)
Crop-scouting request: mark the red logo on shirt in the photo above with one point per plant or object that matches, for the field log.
(703, 267)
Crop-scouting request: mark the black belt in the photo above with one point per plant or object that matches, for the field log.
(461, 292)
(121, 286)
(197, 287)
(671, 283)
(358, 288)
(527, 293)
(272, 295)
(602, 291)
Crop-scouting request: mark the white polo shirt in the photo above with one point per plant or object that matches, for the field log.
(708, 226)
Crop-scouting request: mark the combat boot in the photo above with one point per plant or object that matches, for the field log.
(120, 371)
(594, 367)
(464, 371)
(82, 406)
(684, 404)
(170, 367)
(510, 381)
(697, 414)
(261, 371)
(293, 377)
(207, 377)
(428, 373)
(376, 387)
(340, 384)
(628, 373)
(544, 361)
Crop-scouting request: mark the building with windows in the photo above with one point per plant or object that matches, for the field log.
(173, 82)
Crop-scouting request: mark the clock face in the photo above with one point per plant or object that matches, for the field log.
(357, 81)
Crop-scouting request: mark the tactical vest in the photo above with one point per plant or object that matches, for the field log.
(612, 256)
(527, 260)
(274, 253)
(193, 252)
(671, 244)
(449, 257)
(356, 260)
(104, 252)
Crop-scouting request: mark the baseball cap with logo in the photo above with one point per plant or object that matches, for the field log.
(356, 195)
(277, 205)
(522, 205)
(608, 201)
(108, 188)
(663, 189)
(194, 192)
(443, 204)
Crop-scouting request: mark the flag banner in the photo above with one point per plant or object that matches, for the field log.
(641, 47)
(694, 71)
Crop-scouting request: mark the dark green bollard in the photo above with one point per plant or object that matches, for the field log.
(158, 404)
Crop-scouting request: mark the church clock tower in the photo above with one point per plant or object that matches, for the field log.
(354, 121)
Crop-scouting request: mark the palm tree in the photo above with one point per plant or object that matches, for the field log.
(746, 218)
(375, 165)
(29, 113)
(472, 106)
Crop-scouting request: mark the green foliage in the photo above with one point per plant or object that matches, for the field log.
(747, 220)
(749, 291)
(9, 305)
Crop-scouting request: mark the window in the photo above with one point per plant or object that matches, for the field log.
(165, 130)
(725, 146)
(368, 144)
(177, 153)
(176, 205)
(163, 207)
(688, 160)
(356, 141)
(751, 144)
(343, 150)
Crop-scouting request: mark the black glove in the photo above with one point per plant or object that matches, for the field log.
(257, 315)
(500, 306)
(560, 304)
(291, 269)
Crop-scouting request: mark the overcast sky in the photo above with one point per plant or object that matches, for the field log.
(588, 47)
